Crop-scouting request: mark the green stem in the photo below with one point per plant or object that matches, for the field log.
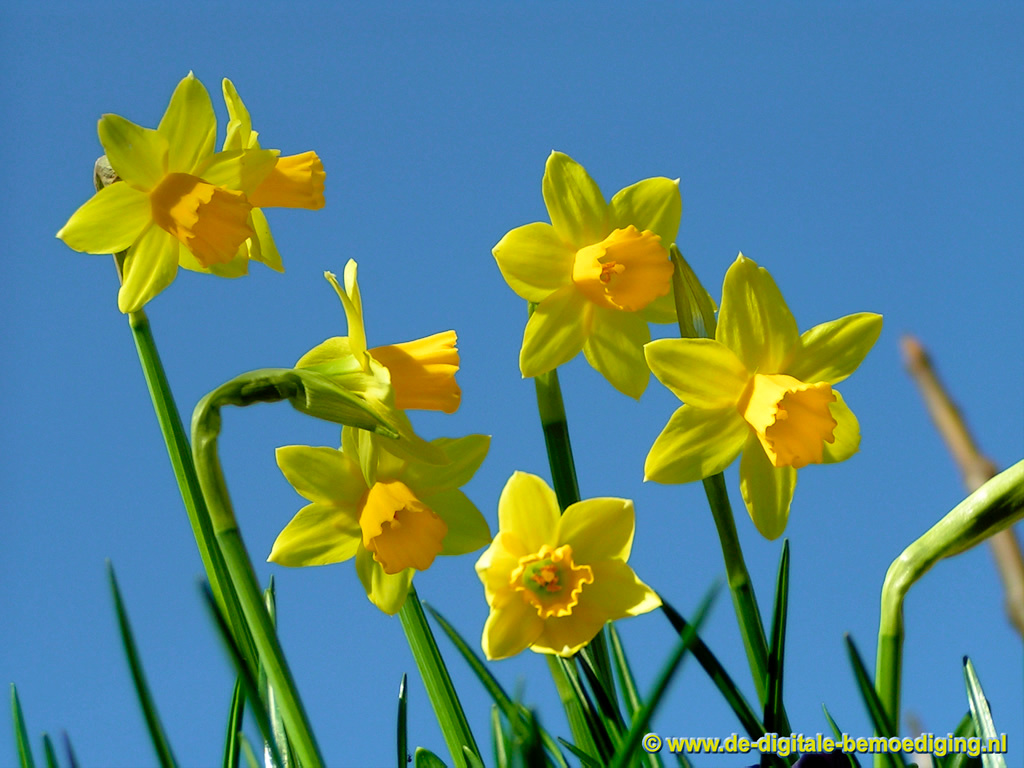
(740, 586)
(993, 507)
(440, 689)
(180, 453)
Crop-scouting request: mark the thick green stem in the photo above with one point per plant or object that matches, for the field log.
(740, 586)
(440, 689)
(993, 507)
(180, 453)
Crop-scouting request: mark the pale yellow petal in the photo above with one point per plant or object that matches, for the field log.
(696, 443)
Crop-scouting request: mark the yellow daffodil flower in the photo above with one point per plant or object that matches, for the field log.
(180, 204)
(552, 581)
(761, 389)
(296, 181)
(414, 374)
(598, 273)
(393, 526)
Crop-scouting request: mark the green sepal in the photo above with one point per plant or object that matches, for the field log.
(695, 309)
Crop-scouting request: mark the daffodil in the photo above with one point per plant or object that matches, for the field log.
(761, 389)
(598, 273)
(414, 374)
(296, 181)
(178, 203)
(393, 526)
(552, 581)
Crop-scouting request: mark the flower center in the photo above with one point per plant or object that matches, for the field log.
(627, 270)
(399, 529)
(550, 581)
(211, 221)
(791, 418)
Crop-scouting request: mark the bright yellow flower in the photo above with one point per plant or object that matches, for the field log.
(296, 181)
(414, 374)
(552, 581)
(179, 204)
(762, 389)
(598, 273)
(394, 525)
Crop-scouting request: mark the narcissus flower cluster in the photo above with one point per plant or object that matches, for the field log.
(759, 389)
(552, 581)
(598, 273)
(180, 204)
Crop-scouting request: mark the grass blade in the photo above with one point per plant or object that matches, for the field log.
(72, 759)
(231, 742)
(515, 713)
(276, 722)
(499, 739)
(248, 753)
(20, 732)
(630, 744)
(966, 729)
(403, 732)
(838, 735)
(249, 683)
(982, 716)
(51, 756)
(628, 684)
(876, 711)
(775, 720)
(153, 724)
(748, 718)
(424, 758)
(587, 761)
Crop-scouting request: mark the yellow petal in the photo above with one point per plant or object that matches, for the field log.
(467, 529)
(615, 349)
(149, 267)
(555, 332)
(386, 591)
(846, 434)
(297, 181)
(189, 126)
(321, 474)
(495, 566)
(109, 222)
(510, 630)
(399, 529)
(754, 321)
(535, 261)
(618, 591)
(700, 372)
(566, 635)
(240, 134)
(139, 155)
(261, 246)
(423, 372)
(832, 351)
(767, 490)
(598, 529)
(528, 508)
(577, 209)
(696, 443)
(319, 534)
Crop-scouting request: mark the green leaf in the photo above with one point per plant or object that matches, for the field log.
(248, 753)
(640, 722)
(250, 685)
(709, 662)
(607, 711)
(775, 720)
(231, 742)
(604, 742)
(838, 734)
(51, 756)
(515, 713)
(499, 738)
(21, 734)
(440, 689)
(424, 758)
(153, 724)
(628, 684)
(982, 716)
(876, 711)
(72, 759)
(403, 731)
(276, 722)
(585, 760)
(967, 729)
(695, 309)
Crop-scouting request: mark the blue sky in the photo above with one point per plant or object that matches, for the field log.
(868, 155)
